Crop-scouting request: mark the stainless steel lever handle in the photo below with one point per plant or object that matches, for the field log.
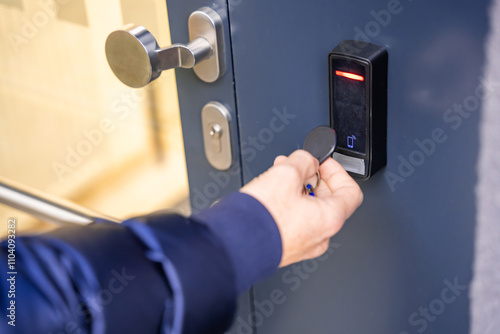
(185, 56)
(136, 59)
(45, 207)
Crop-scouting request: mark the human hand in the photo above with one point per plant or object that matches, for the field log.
(306, 223)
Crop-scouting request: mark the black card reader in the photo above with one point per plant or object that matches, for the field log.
(358, 106)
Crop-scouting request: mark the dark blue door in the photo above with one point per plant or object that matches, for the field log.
(402, 264)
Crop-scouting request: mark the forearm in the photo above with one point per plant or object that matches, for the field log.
(84, 280)
(149, 273)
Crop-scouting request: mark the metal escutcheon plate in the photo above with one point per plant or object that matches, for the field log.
(206, 23)
(215, 120)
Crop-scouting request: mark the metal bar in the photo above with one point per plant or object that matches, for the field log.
(46, 207)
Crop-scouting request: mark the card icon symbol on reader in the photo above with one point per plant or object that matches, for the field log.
(350, 141)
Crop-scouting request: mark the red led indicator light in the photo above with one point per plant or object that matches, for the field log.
(350, 75)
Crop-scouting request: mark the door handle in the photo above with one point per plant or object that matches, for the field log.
(136, 59)
(45, 207)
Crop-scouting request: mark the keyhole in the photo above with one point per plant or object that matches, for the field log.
(216, 134)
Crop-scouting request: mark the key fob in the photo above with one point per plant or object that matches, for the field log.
(321, 142)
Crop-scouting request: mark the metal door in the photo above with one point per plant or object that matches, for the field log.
(206, 184)
(402, 263)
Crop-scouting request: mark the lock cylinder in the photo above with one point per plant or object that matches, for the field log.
(216, 124)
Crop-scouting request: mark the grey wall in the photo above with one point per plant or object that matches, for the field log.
(485, 290)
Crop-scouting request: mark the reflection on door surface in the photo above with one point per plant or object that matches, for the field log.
(68, 127)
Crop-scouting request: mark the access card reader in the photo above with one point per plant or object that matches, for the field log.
(358, 106)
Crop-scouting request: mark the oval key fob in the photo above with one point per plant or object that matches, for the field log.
(321, 142)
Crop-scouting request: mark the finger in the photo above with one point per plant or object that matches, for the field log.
(282, 159)
(334, 175)
(304, 163)
(279, 160)
(342, 185)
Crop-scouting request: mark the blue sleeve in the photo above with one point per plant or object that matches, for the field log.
(250, 235)
(155, 274)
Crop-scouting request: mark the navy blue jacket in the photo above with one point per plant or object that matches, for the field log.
(162, 273)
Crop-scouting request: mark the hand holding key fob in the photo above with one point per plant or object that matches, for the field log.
(320, 142)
